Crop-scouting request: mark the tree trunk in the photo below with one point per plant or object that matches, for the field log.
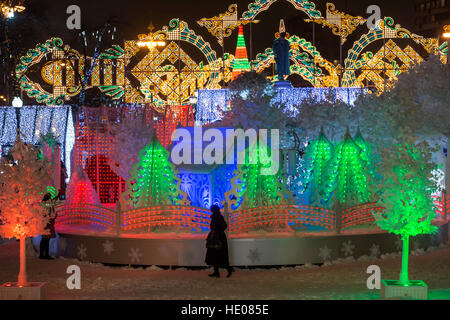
(22, 281)
(404, 279)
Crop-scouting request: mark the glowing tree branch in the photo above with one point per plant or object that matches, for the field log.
(22, 184)
(406, 191)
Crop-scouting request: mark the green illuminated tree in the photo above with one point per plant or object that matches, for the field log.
(366, 152)
(259, 189)
(154, 179)
(406, 191)
(314, 170)
(347, 175)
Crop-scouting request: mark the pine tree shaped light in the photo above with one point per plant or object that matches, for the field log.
(241, 63)
(347, 174)
(154, 179)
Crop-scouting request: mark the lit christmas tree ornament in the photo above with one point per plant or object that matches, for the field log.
(241, 63)
(347, 175)
(313, 175)
(154, 180)
(260, 190)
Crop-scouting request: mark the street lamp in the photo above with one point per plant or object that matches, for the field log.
(17, 102)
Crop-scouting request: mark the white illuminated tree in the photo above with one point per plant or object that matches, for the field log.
(23, 180)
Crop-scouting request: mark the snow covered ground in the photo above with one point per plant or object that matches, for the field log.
(338, 280)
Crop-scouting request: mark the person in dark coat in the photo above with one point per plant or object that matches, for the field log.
(281, 49)
(216, 244)
(49, 203)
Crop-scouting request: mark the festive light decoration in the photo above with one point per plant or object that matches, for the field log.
(100, 218)
(167, 75)
(92, 153)
(347, 175)
(385, 60)
(260, 190)
(406, 189)
(341, 24)
(259, 6)
(154, 179)
(35, 122)
(240, 58)
(212, 103)
(80, 190)
(23, 180)
(359, 215)
(314, 172)
(9, 7)
(162, 81)
(221, 26)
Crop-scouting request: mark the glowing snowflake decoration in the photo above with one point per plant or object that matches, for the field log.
(348, 248)
(374, 250)
(108, 247)
(135, 254)
(81, 251)
(325, 253)
(254, 255)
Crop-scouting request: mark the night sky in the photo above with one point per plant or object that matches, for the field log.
(134, 16)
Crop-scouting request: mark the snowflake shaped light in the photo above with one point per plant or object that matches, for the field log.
(348, 248)
(325, 253)
(81, 251)
(108, 247)
(254, 255)
(135, 254)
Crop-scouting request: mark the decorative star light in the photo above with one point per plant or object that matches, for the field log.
(108, 247)
(325, 253)
(135, 254)
(348, 248)
(81, 251)
(374, 250)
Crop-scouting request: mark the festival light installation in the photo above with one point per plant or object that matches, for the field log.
(260, 190)
(9, 7)
(314, 171)
(347, 176)
(23, 180)
(406, 195)
(168, 75)
(241, 63)
(154, 180)
(80, 190)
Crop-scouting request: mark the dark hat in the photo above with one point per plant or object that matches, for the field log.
(215, 208)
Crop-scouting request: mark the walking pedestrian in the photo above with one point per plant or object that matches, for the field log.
(217, 245)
